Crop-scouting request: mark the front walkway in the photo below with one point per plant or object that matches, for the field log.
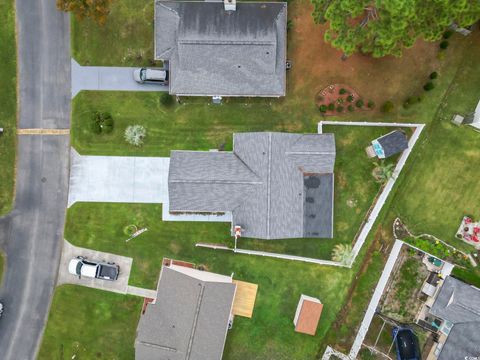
(107, 78)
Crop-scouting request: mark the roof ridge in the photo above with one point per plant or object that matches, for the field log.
(216, 182)
(268, 181)
(195, 319)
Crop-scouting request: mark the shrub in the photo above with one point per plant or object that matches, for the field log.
(350, 108)
(135, 134)
(342, 91)
(166, 99)
(359, 103)
(289, 25)
(102, 122)
(433, 75)
(323, 108)
(331, 106)
(339, 109)
(428, 86)
(350, 98)
(444, 44)
(370, 104)
(340, 101)
(447, 34)
(388, 106)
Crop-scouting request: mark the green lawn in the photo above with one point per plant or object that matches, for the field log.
(8, 104)
(126, 39)
(107, 334)
(270, 332)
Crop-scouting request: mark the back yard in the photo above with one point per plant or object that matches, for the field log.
(428, 199)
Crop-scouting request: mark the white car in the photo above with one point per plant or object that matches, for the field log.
(155, 76)
(80, 266)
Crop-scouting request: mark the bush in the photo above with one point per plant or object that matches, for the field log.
(370, 104)
(342, 91)
(428, 86)
(388, 106)
(444, 44)
(289, 25)
(433, 75)
(350, 108)
(135, 134)
(166, 99)
(323, 108)
(102, 122)
(359, 103)
(350, 98)
(331, 106)
(447, 34)
(339, 109)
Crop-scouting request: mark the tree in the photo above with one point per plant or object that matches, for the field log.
(342, 253)
(380, 28)
(96, 10)
(135, 134)
(383, 172)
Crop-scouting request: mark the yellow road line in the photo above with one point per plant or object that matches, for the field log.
(43, 131)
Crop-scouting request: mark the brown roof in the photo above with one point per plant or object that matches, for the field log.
(309, 317)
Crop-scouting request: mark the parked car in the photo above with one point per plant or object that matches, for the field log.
(80, 266)
(155, 76)
(406, 343)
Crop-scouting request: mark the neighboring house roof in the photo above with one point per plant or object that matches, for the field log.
(459, 303)
(276, 185)
(189, 320)
(308, 314)
(390, 144)
(216, 52)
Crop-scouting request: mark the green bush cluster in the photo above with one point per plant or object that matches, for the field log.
(323, 108)
(388, 107)
(412, 100)
(166, 99)
(342, 91)
(350, 98)
(331, 106)
(444, 45)
(359, 103)
(102, 123)
(429, 86)
(370, 104)
(447, 34)
(350, 108)
(433, 75)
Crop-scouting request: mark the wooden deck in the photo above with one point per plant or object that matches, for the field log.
(244, 298)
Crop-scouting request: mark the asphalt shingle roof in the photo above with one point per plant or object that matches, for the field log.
(216, 52)
(262, 182)
(393, 142)
(459, 303)
(189, 320)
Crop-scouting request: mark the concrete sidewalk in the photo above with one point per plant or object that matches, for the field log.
(107, 78)
(69, 252)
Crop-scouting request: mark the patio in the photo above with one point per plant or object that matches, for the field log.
(469, 232)
(245, 296)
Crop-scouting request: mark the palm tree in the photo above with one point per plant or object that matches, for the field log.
(382, 172)
(342, 253)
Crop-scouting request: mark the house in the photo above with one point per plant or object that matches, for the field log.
(190, 317)
(275, 185)
(456, 311)
(388, 145)
(223, 49)
(307, 315)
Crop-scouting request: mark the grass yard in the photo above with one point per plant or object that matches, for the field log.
(107, 334)
(269, 334)
(8, 105)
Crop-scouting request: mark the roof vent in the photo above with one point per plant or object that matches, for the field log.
(230, 5)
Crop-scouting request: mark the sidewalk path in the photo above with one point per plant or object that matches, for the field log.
(107, 78)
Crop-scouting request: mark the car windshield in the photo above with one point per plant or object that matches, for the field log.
(143, 74)
(79, 267)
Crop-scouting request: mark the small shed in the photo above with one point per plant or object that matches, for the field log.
(307, 316)
(473, 119)
(390, 144)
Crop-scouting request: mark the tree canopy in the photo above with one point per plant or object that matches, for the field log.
(385, 27)
(96, 10)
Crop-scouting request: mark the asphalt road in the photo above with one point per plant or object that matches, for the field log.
(32, 234)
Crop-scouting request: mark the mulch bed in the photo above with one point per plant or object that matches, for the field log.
(342, 97)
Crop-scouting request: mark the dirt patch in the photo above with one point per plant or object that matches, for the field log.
(316, 64)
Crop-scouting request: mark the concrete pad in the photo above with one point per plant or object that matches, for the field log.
(69, 252)
(107, 78)
(146, 293)
(118, 179)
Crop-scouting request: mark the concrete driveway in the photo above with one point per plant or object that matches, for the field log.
(124, 179)
(107, 78)
(69, 252)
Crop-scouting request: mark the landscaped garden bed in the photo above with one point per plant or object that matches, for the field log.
(336, 99)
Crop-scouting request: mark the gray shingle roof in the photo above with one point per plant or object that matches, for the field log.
(393, 142)
(188, 322)
(215, 52)
(459, 303)
(262, 183)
